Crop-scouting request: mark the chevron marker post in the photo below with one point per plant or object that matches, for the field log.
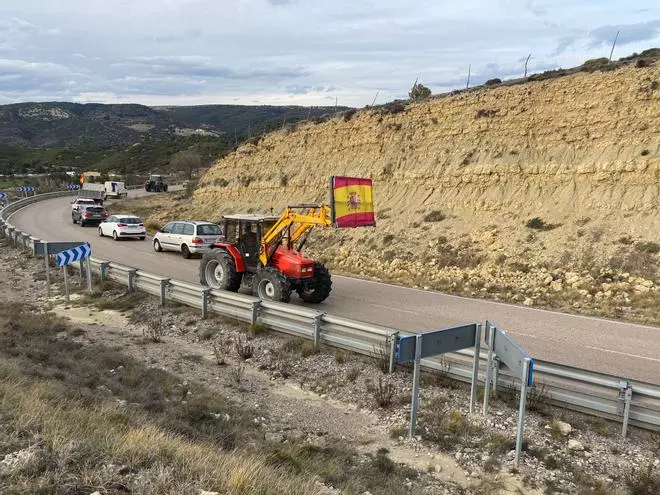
(64, 258)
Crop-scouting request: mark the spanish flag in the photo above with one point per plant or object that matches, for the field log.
(352, 202)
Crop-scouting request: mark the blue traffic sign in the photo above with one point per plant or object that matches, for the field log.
(437, 342)
(3, 195)
(25, 189)
(72, 187)
(74, 254)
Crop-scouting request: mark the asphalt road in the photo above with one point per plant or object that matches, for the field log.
(625, 349)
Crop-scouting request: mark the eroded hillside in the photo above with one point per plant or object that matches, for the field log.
(546, 193)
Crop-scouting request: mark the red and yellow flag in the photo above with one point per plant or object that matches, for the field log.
(82, 179)
(352, 202)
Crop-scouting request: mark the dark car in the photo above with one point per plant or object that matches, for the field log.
(88, 214)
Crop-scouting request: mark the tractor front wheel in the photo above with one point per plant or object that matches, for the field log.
(218, 271)
(319, 288)
(270, 284)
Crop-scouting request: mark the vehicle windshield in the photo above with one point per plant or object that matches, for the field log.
(95, 209)
(208, 229)
(130, 220)
(86, 202)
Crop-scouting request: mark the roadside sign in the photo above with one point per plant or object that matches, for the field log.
(25, 189)
(522, 366)
(73, 187)
(54, 247)
(422, 345)
(63, 258)
(511, 354)
(74, 254)
(3, 195)
(437, 342)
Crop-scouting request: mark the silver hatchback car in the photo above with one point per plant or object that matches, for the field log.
(187, 236)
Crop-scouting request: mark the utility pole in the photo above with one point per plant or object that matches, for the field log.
(467, 85)
(526, 62)
(614, 44)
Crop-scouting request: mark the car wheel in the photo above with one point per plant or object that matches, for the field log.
(82, 224)
(114, 235)
(157, 247)
(73, 219)
(100, 232)
(186, 252)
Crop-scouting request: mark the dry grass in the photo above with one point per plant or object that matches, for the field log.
(98, 420)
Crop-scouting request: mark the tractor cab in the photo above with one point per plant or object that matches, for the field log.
(245, 232)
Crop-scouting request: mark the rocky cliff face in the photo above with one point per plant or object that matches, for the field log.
(458, 178)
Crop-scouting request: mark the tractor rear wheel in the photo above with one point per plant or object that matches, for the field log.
(270, 284)
(164, 187)
(218, 271)
(318, 290)
(147, 187)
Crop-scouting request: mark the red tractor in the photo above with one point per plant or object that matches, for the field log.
(263, 252)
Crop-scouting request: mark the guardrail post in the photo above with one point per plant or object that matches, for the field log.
(318, 321)
(35, 243)
(625, 396)
(81, 267)
(255, 312)
(496, 374)
(131, 279)
(163, 290)
(393, 342)
(103, 269)
(205, 302)
(10, 234)
(24, 240)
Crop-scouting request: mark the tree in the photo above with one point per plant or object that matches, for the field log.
(419, 92)
(186, 161)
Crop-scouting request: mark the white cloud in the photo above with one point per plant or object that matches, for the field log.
(296, 51)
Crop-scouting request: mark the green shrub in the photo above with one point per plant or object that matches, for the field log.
(493, 82)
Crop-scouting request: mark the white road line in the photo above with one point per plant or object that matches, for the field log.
(509, 305)
(623, 353)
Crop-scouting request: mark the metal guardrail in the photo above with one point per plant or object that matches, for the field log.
(629, 401)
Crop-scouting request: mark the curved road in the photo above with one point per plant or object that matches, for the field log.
(625, 349)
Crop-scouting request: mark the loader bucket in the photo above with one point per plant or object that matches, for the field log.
(352, 202)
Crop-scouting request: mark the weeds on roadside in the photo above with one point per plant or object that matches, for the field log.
(383, 393)
(243, 347)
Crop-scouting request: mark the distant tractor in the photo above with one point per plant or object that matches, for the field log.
(262, 253)
(155, 183)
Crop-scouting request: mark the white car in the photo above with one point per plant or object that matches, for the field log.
(187, 236)
(78, 202)
(123, 226)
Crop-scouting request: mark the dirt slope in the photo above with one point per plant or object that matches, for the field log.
(458, 178)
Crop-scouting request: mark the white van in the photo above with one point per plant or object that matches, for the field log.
(101, 192)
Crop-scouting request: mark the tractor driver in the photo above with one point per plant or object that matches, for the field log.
(249, 238)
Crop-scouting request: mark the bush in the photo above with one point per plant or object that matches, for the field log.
(393, 107)
(434, 216)
(284, 180)
(243, 347)
(419, 92)
(595, 64)
(352, 374)
(642, 62)
(348, 114)
(383, 393)
(493, 82)
(643, 481)
(485, 113)
(221, 182)
(648, 247)
(538, 223)
(645, 152)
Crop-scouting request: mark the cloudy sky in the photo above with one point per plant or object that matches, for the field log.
(308, 52)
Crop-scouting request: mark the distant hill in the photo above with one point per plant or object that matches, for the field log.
(62, 124)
